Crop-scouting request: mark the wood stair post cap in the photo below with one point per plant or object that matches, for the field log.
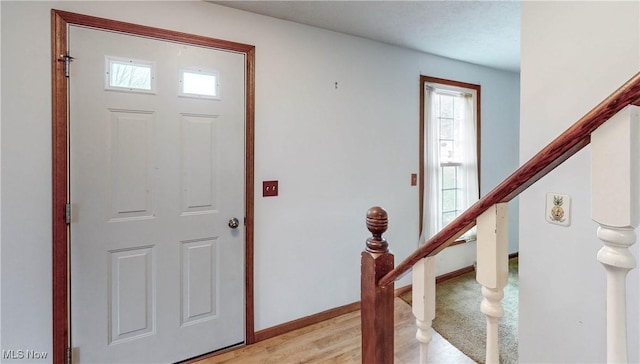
(377, 223)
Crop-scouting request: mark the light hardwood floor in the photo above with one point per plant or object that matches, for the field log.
(338, 341)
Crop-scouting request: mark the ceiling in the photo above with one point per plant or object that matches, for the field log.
(481, 32)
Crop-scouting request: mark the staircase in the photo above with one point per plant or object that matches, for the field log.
(613, 129)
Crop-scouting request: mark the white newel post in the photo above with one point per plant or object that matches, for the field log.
(492, 271)
(615, 199)
(424, 302)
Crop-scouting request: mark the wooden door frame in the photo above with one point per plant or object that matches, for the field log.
(60, 21)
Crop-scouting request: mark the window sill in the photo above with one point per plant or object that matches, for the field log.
(460, 241)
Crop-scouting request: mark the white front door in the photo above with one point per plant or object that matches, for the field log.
(156, 175)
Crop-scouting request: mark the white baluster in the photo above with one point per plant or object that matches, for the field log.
(617, 261)
(615, 199)
(492, 271)
(424, 302)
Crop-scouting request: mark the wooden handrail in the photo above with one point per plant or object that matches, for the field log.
(551, 156)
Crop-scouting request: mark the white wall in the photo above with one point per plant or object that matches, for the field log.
(336, 152)
(574, 54)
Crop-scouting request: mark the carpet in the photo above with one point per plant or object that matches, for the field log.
(459, 320)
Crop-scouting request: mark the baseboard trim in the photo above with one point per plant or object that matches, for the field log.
(402, 290)
(456, 273)
(314, 319)
(464, 270)
(338, 311)
(305, 321)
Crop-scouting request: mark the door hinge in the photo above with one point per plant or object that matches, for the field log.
(67, 213)
(67, 59)
(68, 356)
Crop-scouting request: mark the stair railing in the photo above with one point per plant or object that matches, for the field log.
(615, 171)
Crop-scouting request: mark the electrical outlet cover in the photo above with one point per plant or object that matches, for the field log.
(558, 209)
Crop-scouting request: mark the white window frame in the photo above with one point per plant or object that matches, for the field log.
(200, 71)
(432, 188)
(109, 60)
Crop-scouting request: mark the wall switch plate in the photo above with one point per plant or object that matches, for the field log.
(269, 188)
(558, 209)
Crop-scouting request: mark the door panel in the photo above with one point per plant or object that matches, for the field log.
(132, 150)
(131, 296)
(156, 273)
(199, 286)
(198, 168)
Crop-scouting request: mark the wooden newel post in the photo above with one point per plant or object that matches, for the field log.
(377, 302)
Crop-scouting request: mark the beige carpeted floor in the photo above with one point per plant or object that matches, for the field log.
(459, 320)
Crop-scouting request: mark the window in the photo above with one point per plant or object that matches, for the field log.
(199, 84)
(449, 156)
(131, 75)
